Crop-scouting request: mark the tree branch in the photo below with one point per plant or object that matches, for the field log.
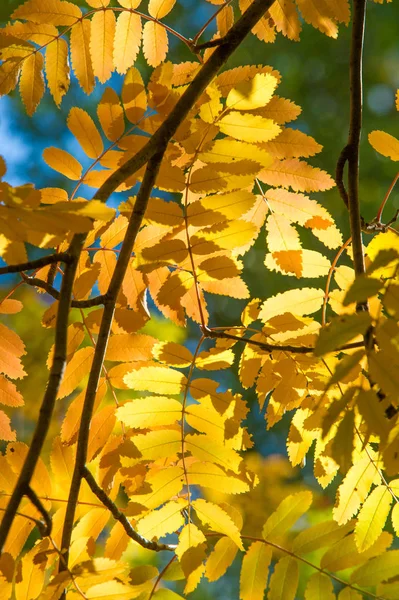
(119, 516)
(37, 263)
(40, 283)
(55, 377)
(355, 128)
(165, 132)
(102, 342)
(37, 503)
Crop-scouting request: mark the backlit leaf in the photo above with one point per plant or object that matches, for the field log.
(286, 515)
(255, 571)
(83, 128)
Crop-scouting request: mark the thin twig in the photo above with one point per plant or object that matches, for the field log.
(37, 503)
(37, 263)
(123, 520)
(40, 283)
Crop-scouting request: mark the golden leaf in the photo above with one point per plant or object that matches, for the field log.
(372, 517)
(160, 8)
(319, 587)
(143, 412)
(385, 144)
(286, 515)
(255, 571)
(57, 69)
(80, 54)
(155, 43)
(284, 580)
(296, 174)
(101, 43)
(55, 12)
(127, 40)
(78, 367)
(252, 94)
(31, 84)
(160, 522)
(319, 15)
(221, 557)
(248, 128)
(62, 162)
(83, 128)
(217, 519)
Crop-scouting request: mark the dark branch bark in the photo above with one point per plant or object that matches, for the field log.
(102, 342)
(37, 263)
(38, 504)
(46, 409)
(119, 516)
(40, 283)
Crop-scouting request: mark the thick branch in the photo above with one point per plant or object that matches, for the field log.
(36, 282)
(119, 516)
(46, 409)
(355, 128)
(37, 263)
(163, 135)
(102, 342)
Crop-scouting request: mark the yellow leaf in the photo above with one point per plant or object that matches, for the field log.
(6, 433)
(56, 12)
(221, 557)
(165, 484)
(9, 75)
(280, 110)
(80, 55)
(381, 568)
(189, 537)
(172, 354)
(320, 535)
(127, 40)
(159, 444)
(372, 517)
(57, 69)
(31, 580)
(112, 589)
(286, 19)
(319, 16)
(297, 174)
(340, 331)
(159, 380)
(158, 523)
(395, 518)
(76, 370)
(284, 580)
(101, 43)
(385, 144)
(145, 412)
(155, 43)
(101, 427)
(247, 127)
(130, 347)
(286, 515)
(349, 594)
(292, 143)
(91, 524)
(354, 489)
(319, 587)
(252, 94)
(300, 302)
(110, 114)
(218, 177)
(207, 474)
(83, 128)
(62, 162)
(205, 448)
(228, 150)
(217, 519)
(31, 84)
(160, 8)
(9, 394)
(134, 97)
(255, 571)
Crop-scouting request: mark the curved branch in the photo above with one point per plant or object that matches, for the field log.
(40, 283)
(37, 503)
(38, 263)
(119, 516)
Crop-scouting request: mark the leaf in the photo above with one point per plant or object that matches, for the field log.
(83, 128)
(56, 12)
(160, 8)
(158, 523)
(134, 97)
(255, 571)
(80, 54)
(353, 490)
(385, 144)
(101, 44)
(372, 517)
(319, 536)
(248, 128)
(221, 557)
(209, 475)
(114, 589)
(6, 433)
(159, 380)
(31, 84)
(130, 347)
(380, 568)
(57, 69)
(296, 174)
(206, 449)
(217, 519)
(253, 93)
(340, 331)
(361, 289)
(292, 143)
(127, 40)
(155, 43)
(300, 302)
(142, 413)
(9, 395)
(62, 162)
(286, 515)
(76, 370)
(319, 587)
(284, 580)
(319, 16)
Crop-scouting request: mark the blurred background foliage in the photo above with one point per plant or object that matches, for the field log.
(314, 75)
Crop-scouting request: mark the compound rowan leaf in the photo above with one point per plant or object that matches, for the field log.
(255, 571)
(57, 69)
(385, 144)
(31, 83)
(102, 43)
(62, 162)
(83, 128)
